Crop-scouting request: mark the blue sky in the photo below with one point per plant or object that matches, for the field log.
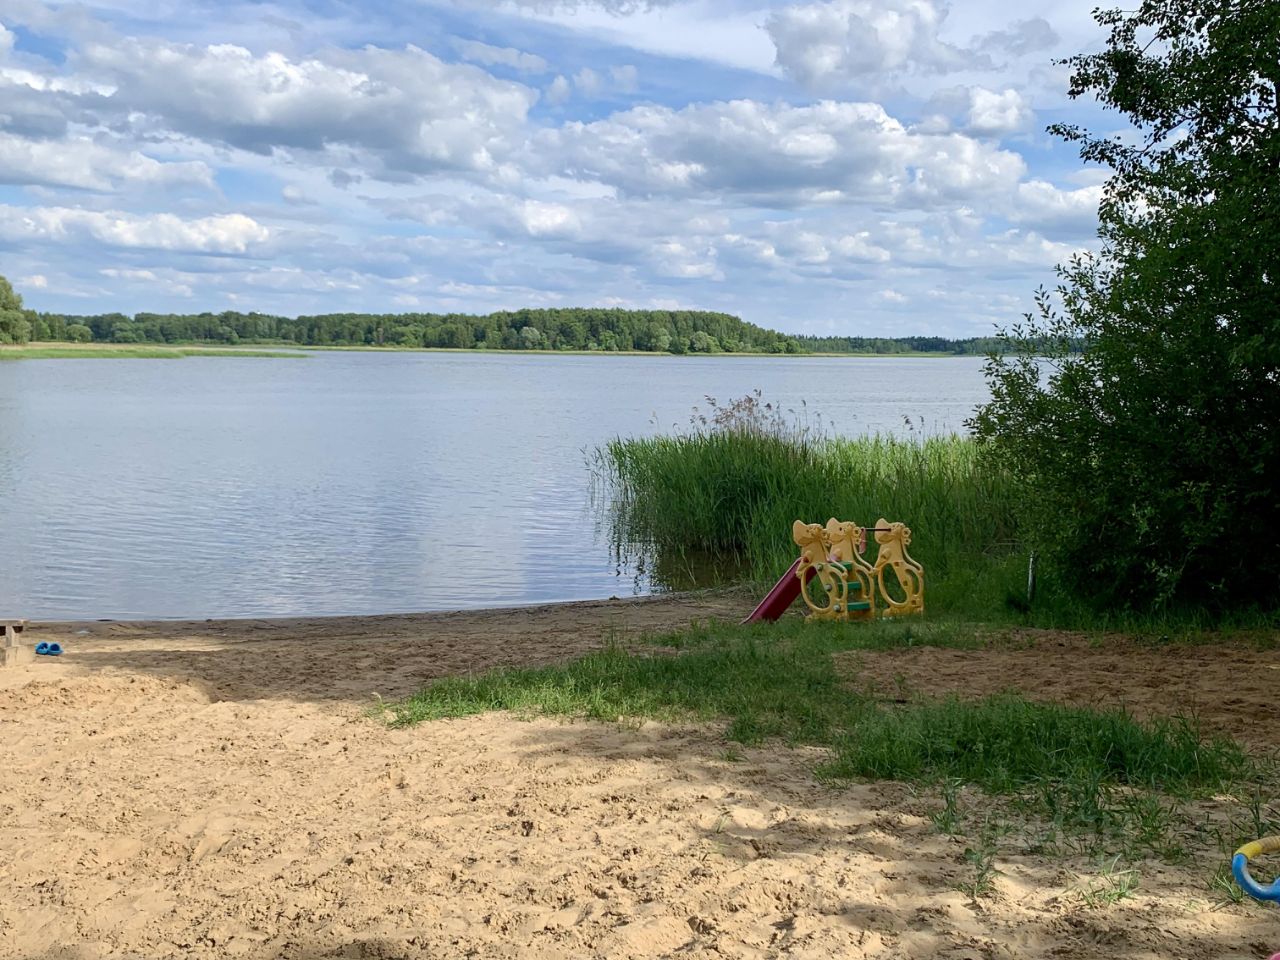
(831, 167)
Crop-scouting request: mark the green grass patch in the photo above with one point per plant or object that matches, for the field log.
(1096, 780)
(1004, 743)
(122, 351)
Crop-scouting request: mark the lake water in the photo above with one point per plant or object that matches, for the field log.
(353, 482)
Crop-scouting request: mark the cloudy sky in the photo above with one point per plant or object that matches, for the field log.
(840, 166)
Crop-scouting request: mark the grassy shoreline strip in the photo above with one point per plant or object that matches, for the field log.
(256, 348)
(132, 352)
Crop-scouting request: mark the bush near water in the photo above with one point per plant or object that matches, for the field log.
(1154, 451)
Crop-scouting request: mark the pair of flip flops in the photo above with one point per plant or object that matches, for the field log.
(48, 649)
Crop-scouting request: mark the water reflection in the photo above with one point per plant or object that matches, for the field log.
(360, 482)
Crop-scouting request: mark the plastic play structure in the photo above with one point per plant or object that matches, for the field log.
(837, 583)
(1240, 869)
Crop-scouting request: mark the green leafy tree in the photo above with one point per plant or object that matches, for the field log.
(15, 322)
(703, 342)
(125, 331)
(79, 333)
(1151, 456)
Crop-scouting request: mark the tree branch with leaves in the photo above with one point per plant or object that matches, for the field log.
(1150, 457)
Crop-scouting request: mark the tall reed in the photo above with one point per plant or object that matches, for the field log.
(730, 487)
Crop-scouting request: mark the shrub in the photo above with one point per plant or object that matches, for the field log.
(1152, 455)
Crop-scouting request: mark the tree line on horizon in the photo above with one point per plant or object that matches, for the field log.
(965, 347)
(607, 329)
(574, 328)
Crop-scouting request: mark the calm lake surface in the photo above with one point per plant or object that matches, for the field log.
(351, 483)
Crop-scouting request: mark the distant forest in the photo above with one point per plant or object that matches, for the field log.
(656, 331)
(972, 346)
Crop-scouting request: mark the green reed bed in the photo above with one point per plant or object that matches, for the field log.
(732, 489)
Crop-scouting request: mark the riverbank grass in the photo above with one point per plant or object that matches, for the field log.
(724, 500)
(129, 351)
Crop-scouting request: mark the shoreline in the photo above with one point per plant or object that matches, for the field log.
(55, 350)
(65, 350)
(62, 625)
(349, 660)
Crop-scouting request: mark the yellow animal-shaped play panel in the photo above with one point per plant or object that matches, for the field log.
(838, 583)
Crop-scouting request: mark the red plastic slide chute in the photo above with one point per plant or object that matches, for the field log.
(782, 595)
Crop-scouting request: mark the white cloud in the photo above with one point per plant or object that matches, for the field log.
(614, 8)
(291, 193)
(117, 273)
(489, 56)
(778, 155)
(226, 234)
(1046, 206)
(559, 90)
(169, 281)
(1020, 38)
(669, 238)
(590, 84)
(410, 111)
(811, 250)
(997, 112)
(830, 44)
(683, 259)
(541, 219)
(37, 280)
(835, 44)
(16, 78)
(295, 278)
(587, 82)
(701, 30)
(81, 162)
(626, 78)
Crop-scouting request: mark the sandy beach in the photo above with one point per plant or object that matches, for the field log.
(225, 789)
